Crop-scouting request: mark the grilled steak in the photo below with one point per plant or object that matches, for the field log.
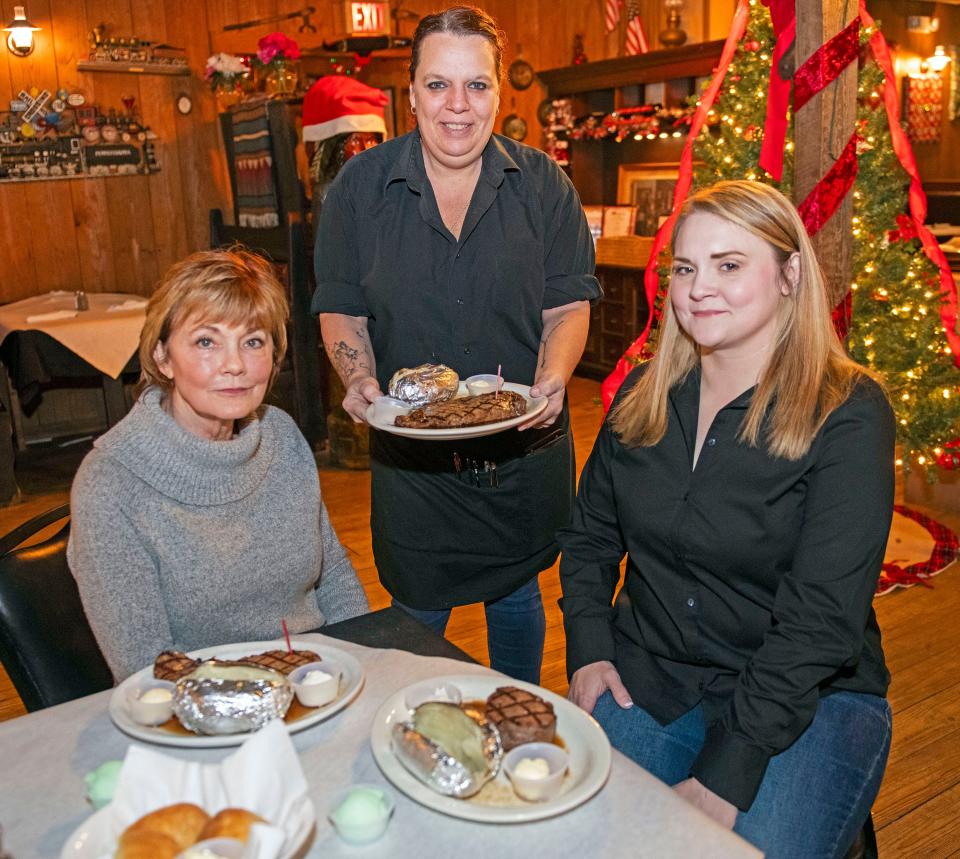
(521, 717)
(281, 660)
(172, 665)
(465, 412)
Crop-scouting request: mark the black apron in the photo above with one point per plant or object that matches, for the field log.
(444, 537)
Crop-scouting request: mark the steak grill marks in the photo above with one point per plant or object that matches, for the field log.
(465, 412)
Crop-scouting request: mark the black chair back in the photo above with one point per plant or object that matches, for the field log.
(46, 644)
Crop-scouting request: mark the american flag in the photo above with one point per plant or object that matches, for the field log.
(612, 14)
(636, 37)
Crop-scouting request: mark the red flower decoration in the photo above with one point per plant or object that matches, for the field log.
(907, 230)
(277, 46)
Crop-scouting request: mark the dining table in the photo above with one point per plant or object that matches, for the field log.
(48, 337)
(46, 754)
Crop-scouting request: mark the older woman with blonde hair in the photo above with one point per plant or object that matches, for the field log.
(747, 474)
(197, 520)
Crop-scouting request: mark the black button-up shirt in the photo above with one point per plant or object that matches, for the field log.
(749, 578)
(383, 252)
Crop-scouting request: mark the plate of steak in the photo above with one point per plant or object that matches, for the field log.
(463, 417)
(534, 713)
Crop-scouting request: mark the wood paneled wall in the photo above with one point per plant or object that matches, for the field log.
(122, 233)
(118, 233)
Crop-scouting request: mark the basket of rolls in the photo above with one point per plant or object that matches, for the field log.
(185, 831)
(252, 805)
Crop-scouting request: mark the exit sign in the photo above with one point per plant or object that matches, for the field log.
(368, 18)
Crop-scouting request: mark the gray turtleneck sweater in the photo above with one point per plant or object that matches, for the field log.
(178, 541)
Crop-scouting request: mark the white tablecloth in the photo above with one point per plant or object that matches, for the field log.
(44, 756)
(106, 339)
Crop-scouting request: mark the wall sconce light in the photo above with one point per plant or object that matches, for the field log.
(939, 61)
(20, 33)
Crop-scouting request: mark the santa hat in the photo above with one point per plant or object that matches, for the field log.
(337, 104)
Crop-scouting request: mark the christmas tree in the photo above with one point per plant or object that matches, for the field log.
(896, 327)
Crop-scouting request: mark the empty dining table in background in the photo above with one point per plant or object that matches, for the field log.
(47, 337)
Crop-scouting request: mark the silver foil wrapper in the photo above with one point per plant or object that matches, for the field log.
(428, 383)
(431, 762)
(215, 706)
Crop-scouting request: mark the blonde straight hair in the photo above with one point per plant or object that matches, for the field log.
(808, 375)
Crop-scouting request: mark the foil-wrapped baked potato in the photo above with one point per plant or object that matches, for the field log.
(428, 383)
(218, 698)
(448, 750)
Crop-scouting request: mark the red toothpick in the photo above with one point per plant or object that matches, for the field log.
(499, 380)
(286, 633)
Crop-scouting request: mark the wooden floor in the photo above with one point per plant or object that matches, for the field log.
(918, 811)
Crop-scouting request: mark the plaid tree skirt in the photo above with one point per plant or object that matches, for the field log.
(946, 547)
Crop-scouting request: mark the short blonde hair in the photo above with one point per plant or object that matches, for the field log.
(809, 373)
(231, 286)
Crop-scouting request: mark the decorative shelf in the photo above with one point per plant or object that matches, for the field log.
(134, 68)
(689, 61)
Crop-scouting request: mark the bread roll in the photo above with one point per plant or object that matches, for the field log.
(145, 844)
(182, 823)
(231, 823)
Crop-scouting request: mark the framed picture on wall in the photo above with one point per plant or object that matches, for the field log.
(648, 187)
(389, 111)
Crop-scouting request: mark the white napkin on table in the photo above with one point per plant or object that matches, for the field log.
(53, 316)
(129, 304)
(263, 776)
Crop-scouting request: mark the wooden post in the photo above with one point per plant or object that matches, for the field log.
(822, 128)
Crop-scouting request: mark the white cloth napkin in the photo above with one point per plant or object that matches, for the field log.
(129, 304)
(263, 776)
(53, 316)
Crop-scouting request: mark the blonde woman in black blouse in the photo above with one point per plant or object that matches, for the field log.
(747, 474)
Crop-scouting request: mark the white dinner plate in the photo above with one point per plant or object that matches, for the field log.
(350, 685)
(584, 739)
(93, 838)
(382, 413)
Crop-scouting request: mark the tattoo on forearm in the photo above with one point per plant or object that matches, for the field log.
(347, 360)
(545, 339)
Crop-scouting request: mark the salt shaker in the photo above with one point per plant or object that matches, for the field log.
(80, 300)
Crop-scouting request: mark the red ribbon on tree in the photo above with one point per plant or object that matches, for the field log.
(824, 200)
(825, 64)
(782, 13)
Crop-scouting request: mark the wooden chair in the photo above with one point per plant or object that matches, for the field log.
(46, 644)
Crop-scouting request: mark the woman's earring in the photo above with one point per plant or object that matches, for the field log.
(413, 110)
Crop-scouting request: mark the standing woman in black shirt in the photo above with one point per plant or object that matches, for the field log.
(454, 245)
(747, 474)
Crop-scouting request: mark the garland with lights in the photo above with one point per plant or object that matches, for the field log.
(647, 121)
(896, 327)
